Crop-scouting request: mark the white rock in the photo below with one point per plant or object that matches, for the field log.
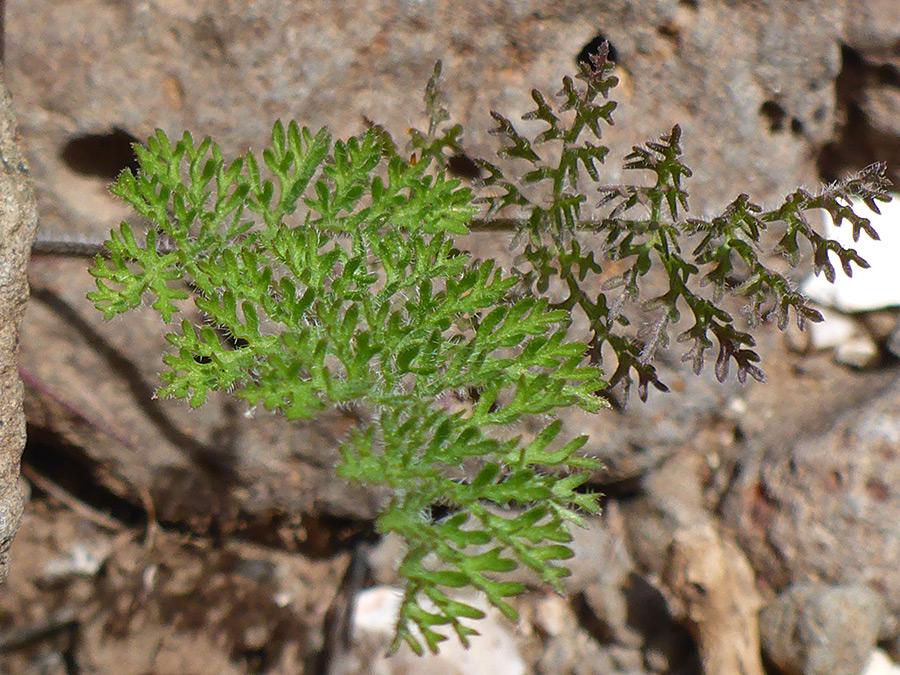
(375, 611)
(83, 560)
(881, 664)
(846, 335)
(555, 616)
(493, 652)
(833, 332)
(868, 289)
(857, 352)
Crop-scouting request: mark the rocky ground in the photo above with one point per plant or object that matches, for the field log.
(747, 528)
(722, 500)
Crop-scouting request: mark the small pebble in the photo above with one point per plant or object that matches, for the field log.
(858, 352)
(817, 629)
(833, 332)
(82, 560)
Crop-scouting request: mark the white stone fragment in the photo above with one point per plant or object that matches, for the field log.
(555, 616)
(881, 664)
(375, 611)
(852, 345)
(82, 560)
(493, 652)
(833, 332)
(857, 352)
(876, 287)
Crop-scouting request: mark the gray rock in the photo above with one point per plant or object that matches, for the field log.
(815, 629)
(866, 90)
(18, 222)
(671, 500)
(638, 439)
(882, 107)
(607, 596)
(827, 507)
(872, 27)
(575, 655)
(601, 553)
(750, 107)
